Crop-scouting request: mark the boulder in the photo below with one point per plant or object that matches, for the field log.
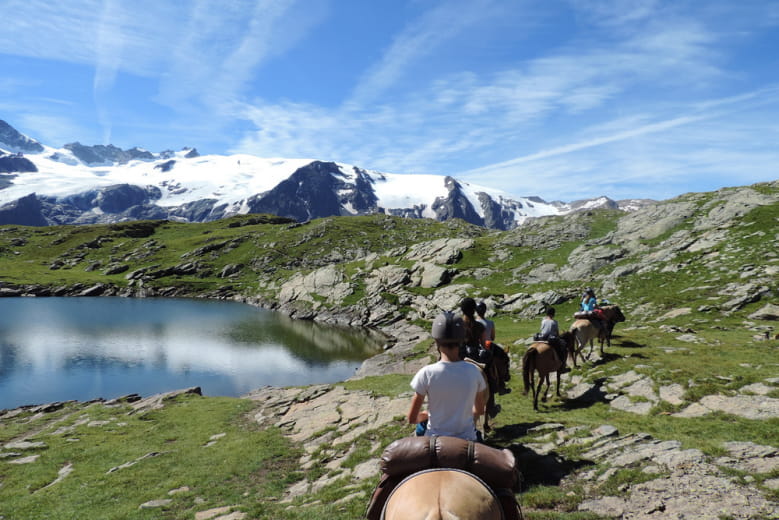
(767, 312)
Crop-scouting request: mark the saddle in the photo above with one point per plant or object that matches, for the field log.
(404, 457)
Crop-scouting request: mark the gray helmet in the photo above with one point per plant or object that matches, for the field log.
(449, 328)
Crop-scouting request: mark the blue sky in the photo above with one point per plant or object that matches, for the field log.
(561, 99)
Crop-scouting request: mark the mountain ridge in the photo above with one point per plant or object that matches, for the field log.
(71, 183)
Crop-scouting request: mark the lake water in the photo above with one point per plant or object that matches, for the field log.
(58, 349)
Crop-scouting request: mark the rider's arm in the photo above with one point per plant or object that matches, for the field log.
(415, 416)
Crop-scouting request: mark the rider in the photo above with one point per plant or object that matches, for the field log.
(476, 349)
(453, 388)
(500, 359)
(473, 347)
(589, 301)
(489, 326)
(590, 304)
(550, 332)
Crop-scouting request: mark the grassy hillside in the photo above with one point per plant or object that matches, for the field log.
(688, 274)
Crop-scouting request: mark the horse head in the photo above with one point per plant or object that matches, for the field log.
(613, 313)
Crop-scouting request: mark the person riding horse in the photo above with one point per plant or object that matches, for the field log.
(589, 305)
(550, 332)
(454, 389)
(476, 349)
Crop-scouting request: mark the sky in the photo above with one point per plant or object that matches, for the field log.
(564, 99)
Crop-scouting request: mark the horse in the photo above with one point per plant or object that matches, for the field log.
(440, 494)
(542, 357)
(586, 331)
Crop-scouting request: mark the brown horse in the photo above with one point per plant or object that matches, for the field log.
(442, 494)
(542, 357)
(585, 331)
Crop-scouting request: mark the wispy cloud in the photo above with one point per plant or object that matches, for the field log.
(418, 40)
(201, 54)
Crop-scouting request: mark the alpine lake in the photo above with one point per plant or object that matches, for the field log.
(60, 349)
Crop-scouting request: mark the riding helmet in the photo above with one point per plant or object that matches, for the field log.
(449, 328)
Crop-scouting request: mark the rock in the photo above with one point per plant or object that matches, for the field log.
(672, 394)
(605, 430)
(767, 312)
(675, 313)
(756, 389)
(327, 282)
(211, 513)
(697, 495)
(642, 388)
(95, 290)
(230, 270)
(624, 403)
(25, 445)
(157, 401)
(441, 251)
(750, 407)
(152, 504)
(605, 506)
(433, 275)
(25, 460)
(116, 269)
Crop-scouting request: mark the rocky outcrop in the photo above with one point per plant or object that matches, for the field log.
(107, 154)
(16, 164)
(14, 141)
(26, 211)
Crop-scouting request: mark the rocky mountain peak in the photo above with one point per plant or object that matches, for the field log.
(14, 141)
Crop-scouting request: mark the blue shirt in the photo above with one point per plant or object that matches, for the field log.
(589, 305)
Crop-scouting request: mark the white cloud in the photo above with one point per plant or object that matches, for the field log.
(418, 40)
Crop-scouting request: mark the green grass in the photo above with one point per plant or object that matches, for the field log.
(246, 462)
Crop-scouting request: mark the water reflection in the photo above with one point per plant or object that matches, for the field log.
(54, 349)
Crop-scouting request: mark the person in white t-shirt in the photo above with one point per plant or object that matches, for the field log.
(453, 388)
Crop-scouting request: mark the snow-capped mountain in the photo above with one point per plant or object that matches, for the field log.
(78, 184)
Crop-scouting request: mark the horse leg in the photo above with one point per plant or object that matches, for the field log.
(544, 379)
(537, 391)
(576, 346)
(558, 382)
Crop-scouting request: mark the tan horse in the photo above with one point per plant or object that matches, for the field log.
(442, 494)
(541, 357)
(585, 331)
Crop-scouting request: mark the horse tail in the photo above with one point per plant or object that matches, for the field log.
(528, 363)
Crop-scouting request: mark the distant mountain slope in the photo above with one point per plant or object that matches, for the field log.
(80, 184)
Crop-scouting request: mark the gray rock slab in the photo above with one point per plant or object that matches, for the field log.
(625, 379)
(605, 506)
(25, 460)
(692, 495)
(25, 445)
(750, 407)
(644, 387)
(624, 403)
(767, 312)
(152, 504)
(672, 394)
(757, 389)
